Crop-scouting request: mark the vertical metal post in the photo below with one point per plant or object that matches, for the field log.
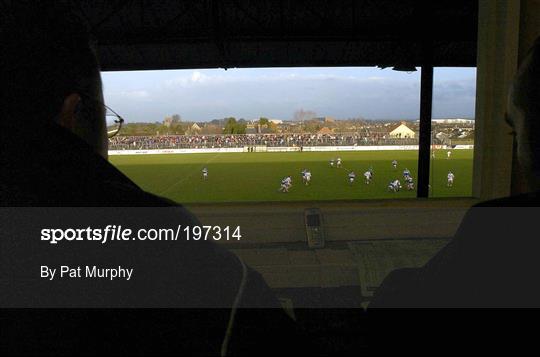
(426, 98)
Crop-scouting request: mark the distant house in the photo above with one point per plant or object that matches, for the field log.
(329, 120)
(194, 129)
(453, 121)
(211, 129)
(264, 129)
(257, 129)
(276, 121)
(325, 119)
(402, 131)
(325, 130)
(251, 129)
(168, 121)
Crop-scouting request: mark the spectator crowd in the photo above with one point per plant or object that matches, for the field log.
(243, 140)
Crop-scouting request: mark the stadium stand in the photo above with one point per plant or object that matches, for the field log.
(241, 140)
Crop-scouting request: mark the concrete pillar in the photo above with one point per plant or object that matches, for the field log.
(498, 43)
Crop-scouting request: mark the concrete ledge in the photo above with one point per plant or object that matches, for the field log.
(343, 221)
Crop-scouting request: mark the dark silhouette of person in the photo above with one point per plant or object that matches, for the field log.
(53, 141)
(492, 261)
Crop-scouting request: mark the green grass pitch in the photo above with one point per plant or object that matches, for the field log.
(256, 177)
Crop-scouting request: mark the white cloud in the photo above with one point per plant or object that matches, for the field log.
(134, 94)
(196, 76)
(375, 78)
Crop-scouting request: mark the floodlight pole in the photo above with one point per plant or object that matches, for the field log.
(424, 143)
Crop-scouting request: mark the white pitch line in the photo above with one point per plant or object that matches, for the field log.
(187, 176)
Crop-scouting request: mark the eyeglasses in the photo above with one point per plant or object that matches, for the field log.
(113, 117)
(113, 120)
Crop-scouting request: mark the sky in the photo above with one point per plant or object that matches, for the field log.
(276, 93)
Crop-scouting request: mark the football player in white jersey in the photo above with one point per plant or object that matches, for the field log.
(367, 176)
(410, 183)
(394, 164)
(338, 162)
(352, 177)
(394, 186)
(450, 177)
(288, 180)
(307, 177)
(406, 173)
(205, 173)
(286, 183)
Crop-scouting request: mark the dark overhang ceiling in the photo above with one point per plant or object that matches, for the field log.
(145, 34)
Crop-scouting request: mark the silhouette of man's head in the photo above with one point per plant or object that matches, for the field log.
(524, 116)
(51, 74)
